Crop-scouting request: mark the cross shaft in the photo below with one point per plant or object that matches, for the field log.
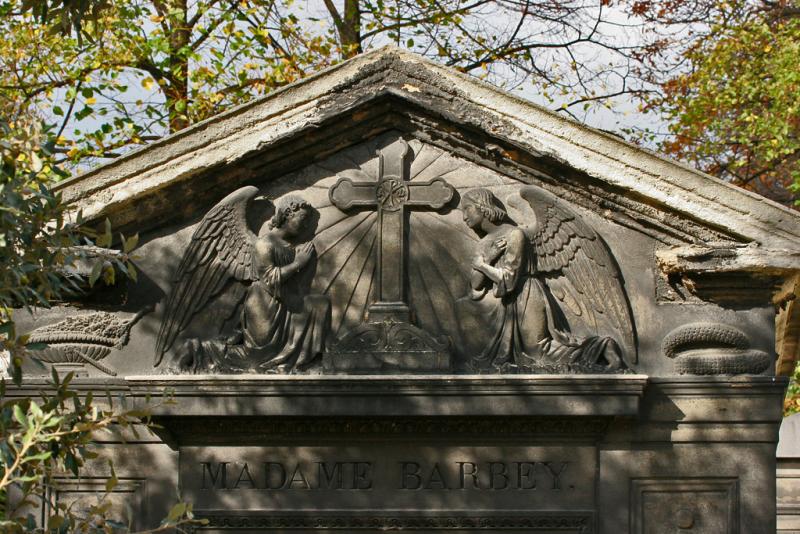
(392, 195)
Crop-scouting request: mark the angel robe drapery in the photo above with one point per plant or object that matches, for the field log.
(527, 335)
(283, 327)
(282, 324)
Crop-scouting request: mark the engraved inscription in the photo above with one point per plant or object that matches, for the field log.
(279, 476)
(406, 473)
(492, 475)
(409, 475)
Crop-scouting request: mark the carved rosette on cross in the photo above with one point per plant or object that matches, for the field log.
(388, 339)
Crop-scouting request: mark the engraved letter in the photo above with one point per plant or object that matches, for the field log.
(361, 475)
(221, 475)
(436, 479)
(327, 479)
(299, 478)
(555, 474)
(526, 472)
(268, 475)
(410, 472)
(498, 473)
(473, 472)
(244, 477)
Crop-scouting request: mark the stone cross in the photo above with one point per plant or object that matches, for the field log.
(392, 195)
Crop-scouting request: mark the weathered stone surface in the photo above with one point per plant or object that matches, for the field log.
(393, 297)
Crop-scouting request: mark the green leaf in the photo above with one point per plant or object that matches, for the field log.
(130, 243)
(42, 456)
(35, 410)
(19, 415)
(16, 372)
(71, 463)
(54, 522)
(132, 274)
(176, 513)
(109, 275)
(111, 483)
(7, 328)
(97, 270)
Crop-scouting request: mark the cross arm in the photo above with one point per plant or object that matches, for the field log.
(432, 194)
(346, 193)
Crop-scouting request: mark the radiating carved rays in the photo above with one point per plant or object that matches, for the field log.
(440, 245)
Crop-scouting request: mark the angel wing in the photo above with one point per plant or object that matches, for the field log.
(576, 263)
(220, 249)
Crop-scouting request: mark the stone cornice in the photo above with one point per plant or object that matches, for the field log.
(666, 185)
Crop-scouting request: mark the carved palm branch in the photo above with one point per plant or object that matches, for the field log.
(220, 250)
(579, 270)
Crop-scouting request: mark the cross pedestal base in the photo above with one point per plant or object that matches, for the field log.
(386, 346)
(397, 312)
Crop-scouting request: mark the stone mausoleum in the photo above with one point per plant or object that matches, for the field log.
(392, 297)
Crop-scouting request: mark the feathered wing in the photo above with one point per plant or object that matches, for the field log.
(221, 249)
(577, 266)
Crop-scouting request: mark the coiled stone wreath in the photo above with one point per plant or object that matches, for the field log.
(713, 349)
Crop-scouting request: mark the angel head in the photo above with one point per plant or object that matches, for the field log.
(292, 215)
(479, 205)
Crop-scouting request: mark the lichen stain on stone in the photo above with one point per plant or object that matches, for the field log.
(411, 88)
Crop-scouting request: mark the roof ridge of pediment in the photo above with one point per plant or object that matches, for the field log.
(291, 110)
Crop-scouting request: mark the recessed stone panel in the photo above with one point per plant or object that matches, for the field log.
(403, 476)
(127, 497)
(703, 506)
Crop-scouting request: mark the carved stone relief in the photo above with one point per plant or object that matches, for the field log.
(713, 349)
(282, 326)
(532, 269)
(83, 340)
(405, 263)
(388, 339)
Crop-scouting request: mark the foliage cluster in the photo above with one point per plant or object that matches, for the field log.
(791, 404)
(139, 69)
(48, 437)
(730, 94)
